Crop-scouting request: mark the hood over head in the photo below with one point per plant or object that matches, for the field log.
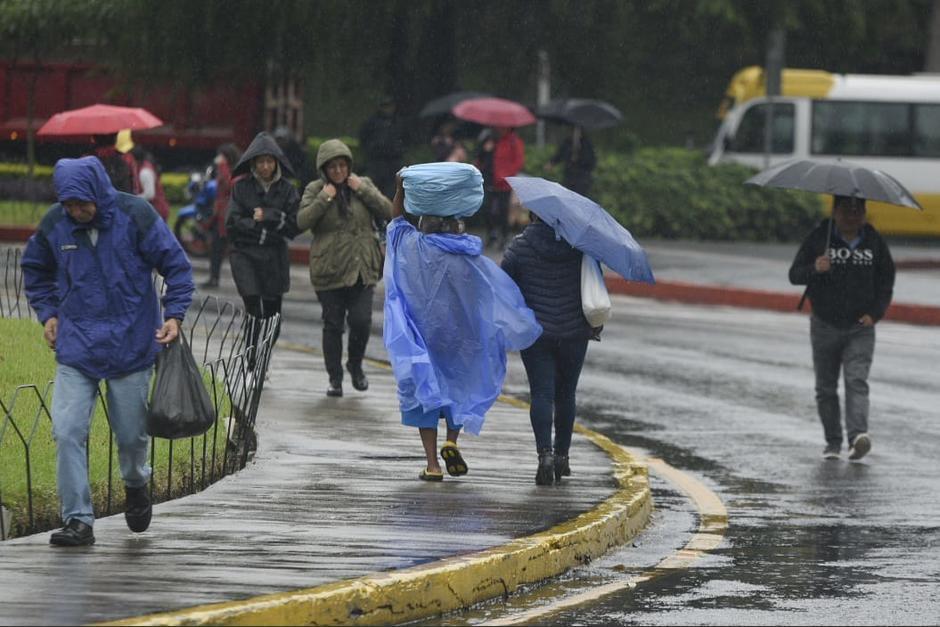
(263, 144)
(84, 179)
(330, 149)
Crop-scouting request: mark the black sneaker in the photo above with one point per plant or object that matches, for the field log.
(138, 509)
(832, 451)
(359, 380)
(75, 533)
(335, 389)
(860, 447)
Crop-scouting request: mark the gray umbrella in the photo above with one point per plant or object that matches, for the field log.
(589, 113)
(839, 178)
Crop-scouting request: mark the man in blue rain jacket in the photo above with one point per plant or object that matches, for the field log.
(88, 276)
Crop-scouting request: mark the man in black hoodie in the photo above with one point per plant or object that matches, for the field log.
(849, 274)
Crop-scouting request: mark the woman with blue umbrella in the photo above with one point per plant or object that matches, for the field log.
(545, 261)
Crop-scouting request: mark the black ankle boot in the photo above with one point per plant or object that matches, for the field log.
(544, 475)
(562, 469)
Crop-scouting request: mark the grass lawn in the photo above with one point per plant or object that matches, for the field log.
(25, 213)
(26, 439)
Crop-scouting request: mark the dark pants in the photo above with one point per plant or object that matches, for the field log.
(553, 367)
(346, 305)
(259, 309)
(497, 217)
(217, 249)
(851, 351)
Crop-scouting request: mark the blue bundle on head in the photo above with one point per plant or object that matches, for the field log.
(444, 189)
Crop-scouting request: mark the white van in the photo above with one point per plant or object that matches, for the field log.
(888, 123)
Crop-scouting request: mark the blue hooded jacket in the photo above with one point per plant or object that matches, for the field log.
(103, 294)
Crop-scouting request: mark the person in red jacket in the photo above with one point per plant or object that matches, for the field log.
(226, 158)
(508, 159)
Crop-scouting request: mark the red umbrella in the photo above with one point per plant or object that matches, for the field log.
(493, 112)
(99, 119)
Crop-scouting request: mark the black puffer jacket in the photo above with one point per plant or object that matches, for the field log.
(548, 273)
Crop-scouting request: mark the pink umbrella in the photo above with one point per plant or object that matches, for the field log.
(493, 112)
(99, 119)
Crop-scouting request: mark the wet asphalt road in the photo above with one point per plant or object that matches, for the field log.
(726, 395)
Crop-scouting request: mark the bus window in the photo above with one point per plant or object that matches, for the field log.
(750, 134)
(926, 130)
(866, 129)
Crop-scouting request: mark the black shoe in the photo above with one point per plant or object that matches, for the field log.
(545, 474)
(138, 509)
(335, 389)
(359, 380)
(211, 283)
(562, 469)
(75, 533)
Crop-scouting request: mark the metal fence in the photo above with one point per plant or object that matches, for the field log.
(217, 332)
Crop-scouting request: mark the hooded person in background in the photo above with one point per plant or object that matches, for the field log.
(577, 157)
(88, 276)
(382, 139)
(450, 312)
(345, 258)
(262, 218)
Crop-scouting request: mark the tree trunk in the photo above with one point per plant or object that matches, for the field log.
(932, 62)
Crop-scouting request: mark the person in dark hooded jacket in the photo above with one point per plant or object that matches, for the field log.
(262, 218)
(340, 209)
(548, 272)
(88, 276)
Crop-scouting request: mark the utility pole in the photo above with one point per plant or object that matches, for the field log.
(543, 94)
(776, 42)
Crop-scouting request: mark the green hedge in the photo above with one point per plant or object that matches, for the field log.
(673, 193)
(669, 193)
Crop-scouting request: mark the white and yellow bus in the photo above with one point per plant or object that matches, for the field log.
(889, 123)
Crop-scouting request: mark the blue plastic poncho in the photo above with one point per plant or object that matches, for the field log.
(450, 316)
(445, 189)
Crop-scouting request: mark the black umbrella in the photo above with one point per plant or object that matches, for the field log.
(839, 178)
(444, 104)
(591, 114)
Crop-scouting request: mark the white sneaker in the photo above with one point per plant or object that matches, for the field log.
(831, 452)
(860, 447)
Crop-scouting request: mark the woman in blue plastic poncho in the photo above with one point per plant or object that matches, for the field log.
(450, 312)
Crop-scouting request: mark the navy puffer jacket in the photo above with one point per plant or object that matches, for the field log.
(548, 272)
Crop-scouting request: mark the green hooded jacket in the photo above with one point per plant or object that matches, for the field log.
(345, 246)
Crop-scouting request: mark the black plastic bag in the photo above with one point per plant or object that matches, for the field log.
(180, 406)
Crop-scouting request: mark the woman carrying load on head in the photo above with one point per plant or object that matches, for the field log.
(262, 217)
(450, 312)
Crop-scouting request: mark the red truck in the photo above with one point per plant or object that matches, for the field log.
(197, 121)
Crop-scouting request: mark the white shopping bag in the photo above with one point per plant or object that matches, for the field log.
(595, 301)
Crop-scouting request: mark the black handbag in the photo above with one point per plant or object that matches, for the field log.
(180, 406)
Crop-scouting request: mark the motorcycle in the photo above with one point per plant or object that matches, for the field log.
(192, 225)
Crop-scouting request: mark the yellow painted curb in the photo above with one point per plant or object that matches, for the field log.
(453, 583)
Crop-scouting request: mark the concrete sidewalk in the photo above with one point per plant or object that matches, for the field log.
(332, 498)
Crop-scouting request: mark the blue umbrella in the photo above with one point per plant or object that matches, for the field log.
(585, 225)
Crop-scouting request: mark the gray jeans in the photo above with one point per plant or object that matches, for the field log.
(850, 350)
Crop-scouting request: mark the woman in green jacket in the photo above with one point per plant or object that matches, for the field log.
(340, 209)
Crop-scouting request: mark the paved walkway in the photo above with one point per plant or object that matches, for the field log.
(332, 494)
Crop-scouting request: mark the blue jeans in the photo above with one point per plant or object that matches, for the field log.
(553, 367)
(73, 404)
(851, 351)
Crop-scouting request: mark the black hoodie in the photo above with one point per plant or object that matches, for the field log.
(860, 282)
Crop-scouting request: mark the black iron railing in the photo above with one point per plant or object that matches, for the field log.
(217, 332)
